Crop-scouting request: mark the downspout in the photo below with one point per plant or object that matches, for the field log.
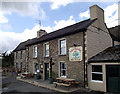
(113, 43)
(84, 55)
(86, 74)
(28, 60)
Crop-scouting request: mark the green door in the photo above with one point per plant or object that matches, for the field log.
(46, 71)
(113, 78)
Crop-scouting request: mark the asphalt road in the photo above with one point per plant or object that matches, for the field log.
(10, 84)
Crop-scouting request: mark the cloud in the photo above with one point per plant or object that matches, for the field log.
(8, 38)
(57, 3)
(111, 15)
(63, 23)
(23, 8)
(3, 19)
(110, 12)
(85, 14)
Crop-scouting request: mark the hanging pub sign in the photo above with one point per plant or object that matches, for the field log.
(75, 53)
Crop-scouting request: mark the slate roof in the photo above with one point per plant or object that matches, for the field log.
(22, 45)
(111, 54)
(75, 28)
(72, 29)
(115, 33)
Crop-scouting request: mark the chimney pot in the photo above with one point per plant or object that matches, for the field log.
(40, 33)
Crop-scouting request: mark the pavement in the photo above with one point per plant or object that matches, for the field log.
(45, 84)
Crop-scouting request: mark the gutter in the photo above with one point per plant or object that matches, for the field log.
(84, 55)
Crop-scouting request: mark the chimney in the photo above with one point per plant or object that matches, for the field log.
(97, 12)
(41, 33)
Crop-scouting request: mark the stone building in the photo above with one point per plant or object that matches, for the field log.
(69, 47)
(20, 57)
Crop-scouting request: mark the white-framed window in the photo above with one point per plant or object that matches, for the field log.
(35, 52)
(46, 50)
(63, 69)
(62, 46)
(96, 73)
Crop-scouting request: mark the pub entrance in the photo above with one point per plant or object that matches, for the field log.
(47, 71)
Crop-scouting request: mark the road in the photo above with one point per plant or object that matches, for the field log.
(10, 84)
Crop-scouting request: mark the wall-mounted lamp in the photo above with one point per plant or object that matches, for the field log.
(75, 45)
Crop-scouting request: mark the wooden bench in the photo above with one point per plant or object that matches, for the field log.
(62, 84)
(75, 83)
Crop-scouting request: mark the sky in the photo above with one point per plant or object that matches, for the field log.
(20, 20)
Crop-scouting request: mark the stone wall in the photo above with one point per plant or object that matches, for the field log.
(20, 60)
(74, 69)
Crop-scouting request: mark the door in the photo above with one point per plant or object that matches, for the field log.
(21, 67)
(35, 67)
(46, 71)
(113, 78)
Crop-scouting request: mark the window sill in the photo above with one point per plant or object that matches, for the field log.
(63, 77)
(62, 54)
(96, 81)
(34, 57)
(46, 56)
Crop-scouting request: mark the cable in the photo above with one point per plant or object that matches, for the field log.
(99, 29)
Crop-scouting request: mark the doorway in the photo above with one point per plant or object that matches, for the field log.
(46, 71)
(113, 78)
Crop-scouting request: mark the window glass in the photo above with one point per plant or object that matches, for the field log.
(46, 50)
(96, 73)
(62, 47)
(96, 68)
(63, 69)
(35, 51)
(16, 55)
(16, 65)
(96, 76)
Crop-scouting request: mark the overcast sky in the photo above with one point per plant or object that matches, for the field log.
(19, 21)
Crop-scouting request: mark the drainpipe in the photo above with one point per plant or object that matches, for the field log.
(112, 42)
(84, 55)
(86, 74)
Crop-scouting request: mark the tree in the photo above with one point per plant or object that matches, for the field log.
(7, 59)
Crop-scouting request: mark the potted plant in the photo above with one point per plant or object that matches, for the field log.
(53, 75)
(52, 78)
